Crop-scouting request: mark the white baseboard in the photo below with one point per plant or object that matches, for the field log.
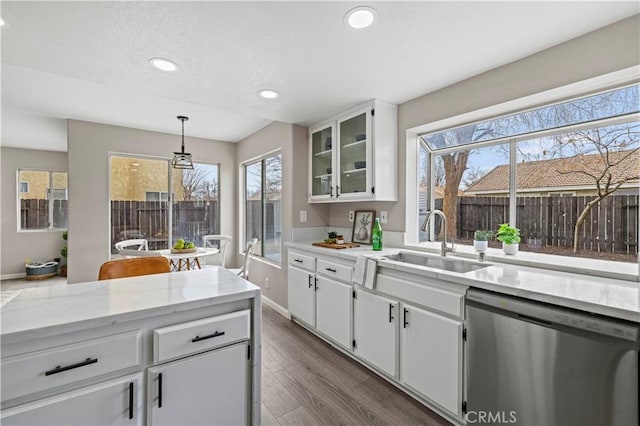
(13, 276)
(279, 309)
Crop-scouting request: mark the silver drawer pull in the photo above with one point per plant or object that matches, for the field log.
(60, 369)
(210, 336)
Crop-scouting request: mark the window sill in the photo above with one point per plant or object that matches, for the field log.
(579, 265)
(267, 261)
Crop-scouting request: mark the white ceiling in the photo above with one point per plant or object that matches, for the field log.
(88, 60)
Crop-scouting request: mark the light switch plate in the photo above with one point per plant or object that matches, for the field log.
(303, 216)
(383, 217)
(351, 215)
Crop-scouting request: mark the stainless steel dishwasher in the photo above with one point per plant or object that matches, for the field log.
(531, 363)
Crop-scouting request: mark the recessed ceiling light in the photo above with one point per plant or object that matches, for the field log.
(360, 17)
(268, 94)
(163, 64)
(1, 22)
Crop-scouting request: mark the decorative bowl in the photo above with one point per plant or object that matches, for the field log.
(329, 170)
(361, 137)
(178, 251)
(360, 164)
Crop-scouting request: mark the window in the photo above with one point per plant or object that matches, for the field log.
(42, 200)
(141, 206)
(566, 174)
(263, 190)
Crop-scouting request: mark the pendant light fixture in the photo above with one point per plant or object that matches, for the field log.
(182, 160)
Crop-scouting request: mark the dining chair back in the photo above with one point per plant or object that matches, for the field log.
(248, 255)
(133, 267)
(126, 247)
(221, 242)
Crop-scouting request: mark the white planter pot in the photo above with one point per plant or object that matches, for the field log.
(510, 249)
(480, 246)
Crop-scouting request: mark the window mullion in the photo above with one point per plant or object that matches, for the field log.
(50, 201)
(263, 231)
(513, 161)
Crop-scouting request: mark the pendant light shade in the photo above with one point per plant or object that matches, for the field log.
(182, 160)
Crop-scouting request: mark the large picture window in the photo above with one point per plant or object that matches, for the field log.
(141, 206)
(42, 200)
(263, 204)
(566, 174)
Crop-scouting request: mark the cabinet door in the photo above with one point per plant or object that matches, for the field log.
(322, 162)
(354, 156)
(375, 330)
(115, 402)
(431, 353)
(333, 310)
(301, 288)
(207, 389)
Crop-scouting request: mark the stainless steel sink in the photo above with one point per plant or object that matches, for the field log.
(437, 262)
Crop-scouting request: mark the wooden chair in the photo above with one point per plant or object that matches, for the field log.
(133, 267)
(221, 242)
(248, 255)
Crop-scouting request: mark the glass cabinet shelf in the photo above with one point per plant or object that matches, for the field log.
(326, 153)
(354, 171)
(352, 144)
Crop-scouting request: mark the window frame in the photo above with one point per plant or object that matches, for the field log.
(49, 189)
(242, 171)
(566, 93)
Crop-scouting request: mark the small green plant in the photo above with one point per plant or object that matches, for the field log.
(481, 235)
(508, 234)
(333, 234)
(63, 250)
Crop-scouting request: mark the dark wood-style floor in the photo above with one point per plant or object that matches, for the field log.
(307, 382)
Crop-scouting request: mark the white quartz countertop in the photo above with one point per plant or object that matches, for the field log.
(605, 296)
(36, 312)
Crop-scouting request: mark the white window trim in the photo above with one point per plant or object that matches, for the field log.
(242, 213)
(50, 228)
(26, 183)
(593, 85)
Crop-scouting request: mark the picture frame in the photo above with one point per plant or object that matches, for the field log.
(362, 225)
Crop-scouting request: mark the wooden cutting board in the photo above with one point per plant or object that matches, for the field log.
(336, 246)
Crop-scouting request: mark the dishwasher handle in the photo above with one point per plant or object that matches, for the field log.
(547, 315)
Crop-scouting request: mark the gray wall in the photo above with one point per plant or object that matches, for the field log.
(16, 247)
(292, 141)
(89, 148)
(609, 49)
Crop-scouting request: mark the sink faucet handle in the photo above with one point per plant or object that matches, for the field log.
(453, 247)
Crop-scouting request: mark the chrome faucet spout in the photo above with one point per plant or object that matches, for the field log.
(443, 246)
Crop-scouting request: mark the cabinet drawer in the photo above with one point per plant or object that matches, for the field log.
(202, 335)
(42, 370)
(336, 271)
(302, 261)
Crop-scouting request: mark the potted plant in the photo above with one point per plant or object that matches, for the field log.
(510, 238)
(481, 240)
(63, 252)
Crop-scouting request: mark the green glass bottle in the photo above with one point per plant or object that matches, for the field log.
(376, 235)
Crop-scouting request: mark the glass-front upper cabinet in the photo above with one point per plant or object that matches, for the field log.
(353, 157)
(322, 161)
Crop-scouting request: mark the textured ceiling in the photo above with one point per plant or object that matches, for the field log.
(88, 60)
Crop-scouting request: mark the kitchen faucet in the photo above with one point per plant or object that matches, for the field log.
(443, 248)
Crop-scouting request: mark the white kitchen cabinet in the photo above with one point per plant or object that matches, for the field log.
(353, 156)
(213, 385)
(431, 356)
(333, 310)
(301, 289)
(114, 402)
(375, 330)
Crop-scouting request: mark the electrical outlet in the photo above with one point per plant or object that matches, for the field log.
(383, 217)
(303, 216)
(351, 215)
(266, 283)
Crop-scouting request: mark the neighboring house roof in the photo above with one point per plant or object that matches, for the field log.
(559, 173)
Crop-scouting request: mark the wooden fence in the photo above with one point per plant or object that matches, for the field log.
(612, 226)
(149, 219)
(34, 213)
